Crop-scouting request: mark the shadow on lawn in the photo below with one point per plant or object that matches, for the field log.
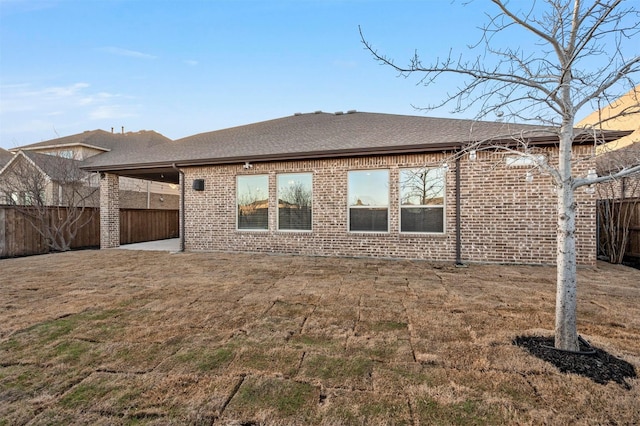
(600, 366)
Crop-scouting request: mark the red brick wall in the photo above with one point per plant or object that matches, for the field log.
(504, 218)
(109, 211)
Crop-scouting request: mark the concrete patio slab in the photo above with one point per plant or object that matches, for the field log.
(171, 245)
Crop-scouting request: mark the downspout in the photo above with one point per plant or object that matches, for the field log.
(182, 212)
(458, 219)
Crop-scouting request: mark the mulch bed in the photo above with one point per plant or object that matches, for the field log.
(601, 367)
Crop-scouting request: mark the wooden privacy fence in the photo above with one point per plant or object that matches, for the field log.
(608, 211)
(19, 238)
(138, 225)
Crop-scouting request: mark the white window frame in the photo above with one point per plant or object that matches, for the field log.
(238, 178)
(278, 201)
(442, 207)
(349, 206)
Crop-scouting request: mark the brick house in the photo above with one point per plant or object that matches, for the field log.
(30, 177)
(361, 184)
(63, 156)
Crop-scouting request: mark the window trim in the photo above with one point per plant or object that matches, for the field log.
(443, 207)
(388, 206)
(307, 231)
(238, 177)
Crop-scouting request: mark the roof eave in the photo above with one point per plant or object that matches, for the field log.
(64, 145)
(281, 157)
(546, 140)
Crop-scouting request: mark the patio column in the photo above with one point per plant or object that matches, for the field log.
(109, 211)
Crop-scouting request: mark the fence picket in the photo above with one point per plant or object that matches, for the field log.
(19, 238)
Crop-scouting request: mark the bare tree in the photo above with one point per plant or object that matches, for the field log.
(296, 194)
(421, 185)
(52, 193)
(574, 55)
(617, 201)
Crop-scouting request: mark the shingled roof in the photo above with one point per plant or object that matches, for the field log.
(99, 139)
(58, 169)
(616, 160)
(5, 157)
(317, 135)
(320, 135)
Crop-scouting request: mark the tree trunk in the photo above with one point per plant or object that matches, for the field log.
(566, 333)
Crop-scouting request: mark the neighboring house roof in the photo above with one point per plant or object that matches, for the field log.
(318, 135)
(101, 140)
(5, 157)
(613, 161)
(58, 169)
(621, 114)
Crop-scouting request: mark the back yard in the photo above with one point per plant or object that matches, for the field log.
(131, 337)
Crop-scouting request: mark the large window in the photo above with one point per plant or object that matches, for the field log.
(294, 201)
(253, 202)
(369, 200)
(422, 200)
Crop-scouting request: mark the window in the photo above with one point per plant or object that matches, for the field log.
(13, 198)
(253, 202)
(66, 153)
(294, 201)
(368, 200)
(422, 200)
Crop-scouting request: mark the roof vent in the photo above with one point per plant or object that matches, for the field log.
(297, 114)
(317, 112)
(338, 113)
(351, 111)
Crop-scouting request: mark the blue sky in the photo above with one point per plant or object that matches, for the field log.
(185, 67)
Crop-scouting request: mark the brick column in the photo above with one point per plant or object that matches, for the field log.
(109, 211)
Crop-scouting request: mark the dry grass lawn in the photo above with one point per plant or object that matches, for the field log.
(131, 337)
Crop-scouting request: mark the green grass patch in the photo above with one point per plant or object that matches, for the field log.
(49, 331)
(338, 370)
(206, 360)
(10, 345)
(271, 360)
(287, 398)
(84, 394)
(299, 341)
(17, 377)
(53, 330)
(70, 351)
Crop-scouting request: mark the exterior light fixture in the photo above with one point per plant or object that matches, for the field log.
(472, 155)
(591, 176)
(528, 177)
(445, 167)
(247, 165)
(198, 184)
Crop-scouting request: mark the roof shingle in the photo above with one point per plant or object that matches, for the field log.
(316, 134)
(5, 156)
(134, 141)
